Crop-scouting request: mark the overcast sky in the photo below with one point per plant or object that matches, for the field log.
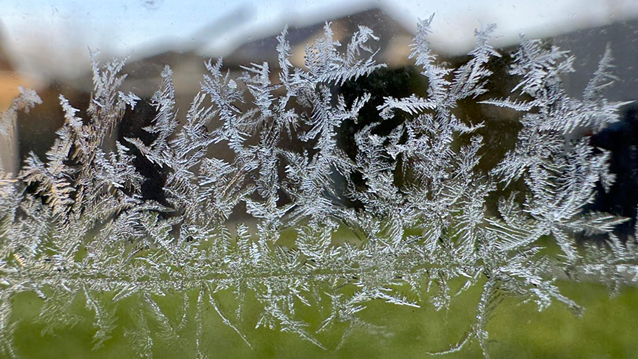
(37, 32)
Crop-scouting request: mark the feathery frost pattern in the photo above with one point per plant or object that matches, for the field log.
(75, 226)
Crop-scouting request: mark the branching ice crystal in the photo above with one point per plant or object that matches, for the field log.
(76, 224)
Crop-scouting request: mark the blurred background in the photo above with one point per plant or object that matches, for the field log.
(44, 44)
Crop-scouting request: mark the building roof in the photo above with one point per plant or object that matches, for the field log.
(264, 49)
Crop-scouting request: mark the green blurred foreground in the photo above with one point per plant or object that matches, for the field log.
(607, 329)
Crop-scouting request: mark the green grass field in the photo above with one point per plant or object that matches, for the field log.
(607, 329)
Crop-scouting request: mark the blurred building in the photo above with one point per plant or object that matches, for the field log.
(37, 130)
(9, 82)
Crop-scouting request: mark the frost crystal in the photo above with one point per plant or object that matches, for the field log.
(76, 224)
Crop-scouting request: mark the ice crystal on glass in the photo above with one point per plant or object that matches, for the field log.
(76, 224)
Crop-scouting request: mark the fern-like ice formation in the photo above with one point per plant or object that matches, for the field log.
(75, 225)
